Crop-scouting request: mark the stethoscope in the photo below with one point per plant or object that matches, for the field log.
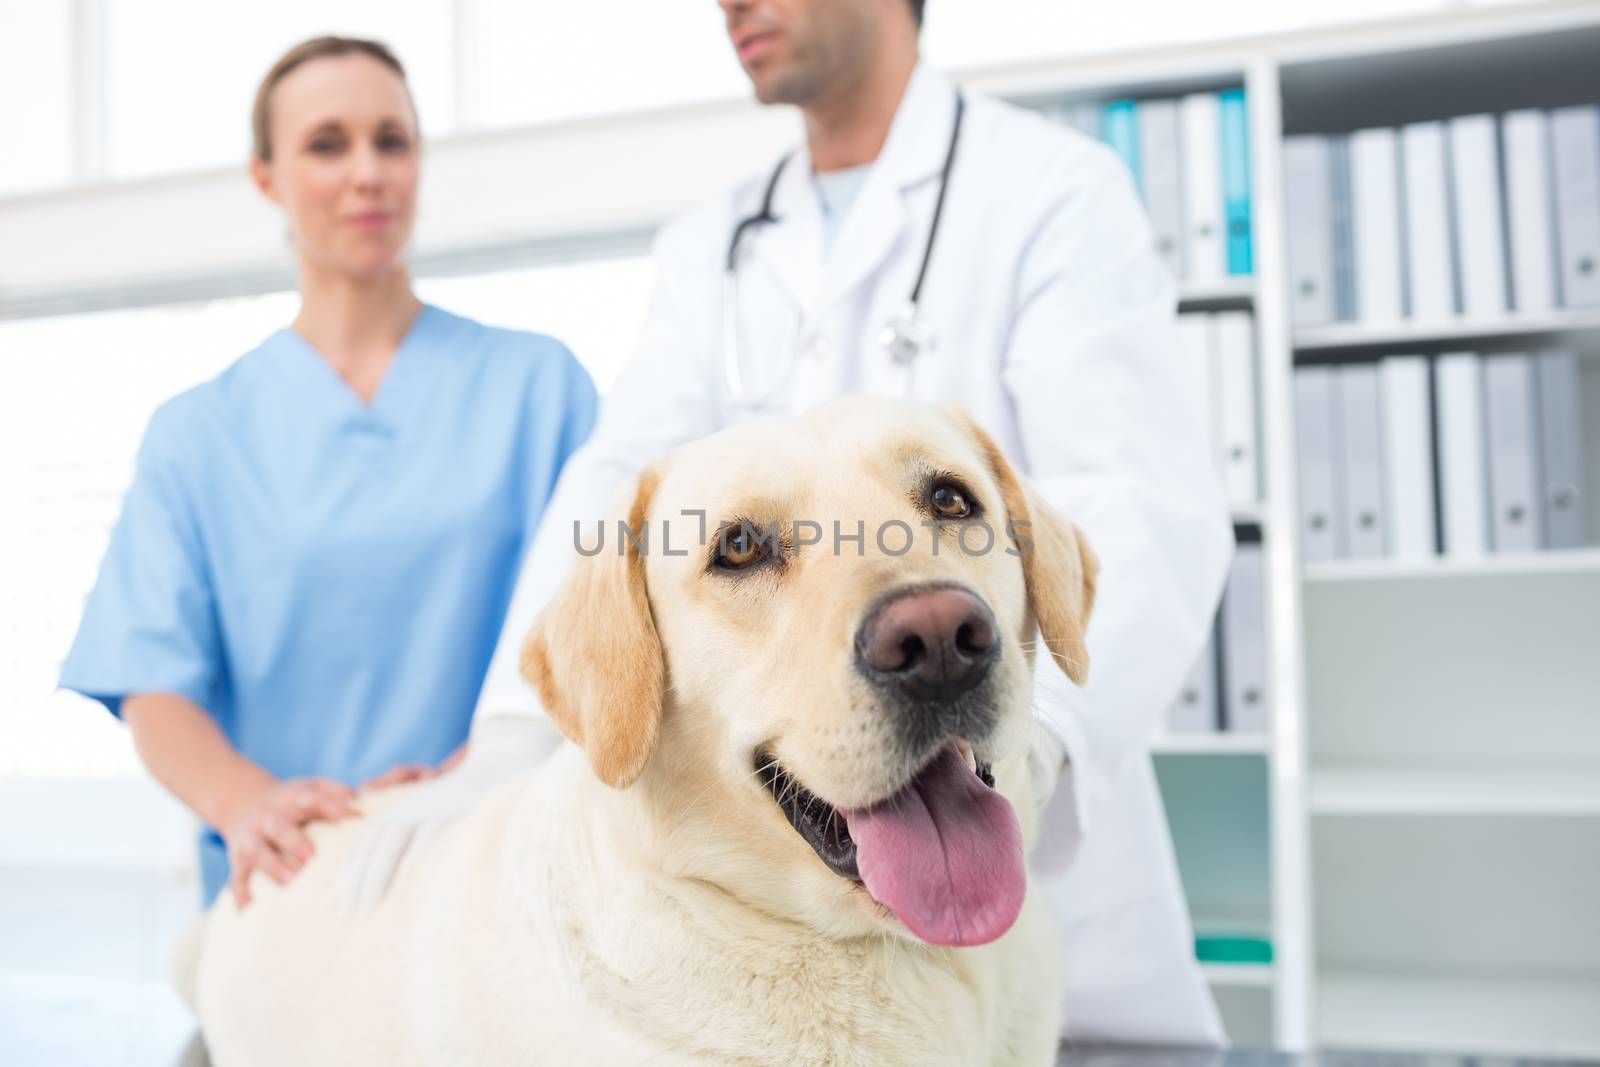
(903, 338)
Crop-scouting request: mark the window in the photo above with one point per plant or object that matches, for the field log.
(180, 98)
(77, 394)
(596, 307)
(540, 62)
(35, 66)
(1000, 31)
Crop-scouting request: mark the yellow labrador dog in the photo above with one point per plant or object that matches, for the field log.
(791, 824)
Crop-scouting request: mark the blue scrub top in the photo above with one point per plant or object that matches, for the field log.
(328, 579)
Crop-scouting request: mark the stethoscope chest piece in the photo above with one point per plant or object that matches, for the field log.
(905, 337)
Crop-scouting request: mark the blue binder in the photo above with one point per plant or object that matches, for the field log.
(1119, 128)
(1235, 122)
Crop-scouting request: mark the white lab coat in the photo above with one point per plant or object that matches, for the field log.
(1055, 328)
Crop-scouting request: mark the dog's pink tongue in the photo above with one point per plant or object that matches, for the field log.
(945, 855)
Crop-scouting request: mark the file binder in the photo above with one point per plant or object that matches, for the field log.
(1344, 283)
(1361, 461)
(1197, 338)
(1430, 279)
(1408, 456)
(1086, 117)
(1235, 340)
(1205, 253)
(1375, 207)
(1525, 139)
(1321, 520)
(1575, 143)
(1246, 700)
(1163, 179)
(1562, 500)
(1235, 121)
(1119, 128)
(1308, 200)
(1463, 492)
(1195, 709)
(1508, 389)
(1480, 251)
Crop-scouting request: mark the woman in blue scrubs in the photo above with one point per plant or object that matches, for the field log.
(315, 557)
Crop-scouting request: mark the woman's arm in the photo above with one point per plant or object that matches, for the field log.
(258, 816)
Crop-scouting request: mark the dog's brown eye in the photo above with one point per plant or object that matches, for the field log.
(949, 502)
(739, 548)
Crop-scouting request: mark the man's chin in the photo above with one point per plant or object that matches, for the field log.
(775, 85)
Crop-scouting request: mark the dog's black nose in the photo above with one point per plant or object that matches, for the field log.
(931, 643)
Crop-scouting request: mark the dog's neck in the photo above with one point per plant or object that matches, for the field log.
(751, 971)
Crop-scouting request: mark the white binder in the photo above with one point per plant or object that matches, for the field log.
(1509, 405)
(1430, 281)
(1575, 143)
(1375, 205)
(1246, 698)
(1525, 143)
(1236, 350)
(1480, 246)
(1202, 368)
(1195, 709)
(1161, 171)
(1408, 456)
(1205, 253)
(1315, 416)
(1463, 489)
(1561, 450)
(1086, 117)
(1360, 456)
(1308, 192)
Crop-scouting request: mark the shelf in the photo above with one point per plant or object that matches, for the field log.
(1213, 744)
(1525, 1017)
(1361, 338)
(1234, 294)
(1385, 791)
(1239, 975)
(1437, 75)
(1567, 561)
(1248, 514)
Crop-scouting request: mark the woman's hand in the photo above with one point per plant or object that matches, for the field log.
(415, 772)
(263, 829)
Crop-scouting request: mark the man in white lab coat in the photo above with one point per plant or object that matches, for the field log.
(1045, 311)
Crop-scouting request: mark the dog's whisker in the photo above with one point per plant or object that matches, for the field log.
(1044, 642)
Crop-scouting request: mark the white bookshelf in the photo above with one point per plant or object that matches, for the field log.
(1232, 293)
(1350, 830)
(1543, 328)
(1455, 791)
(1238, 975)
(1522, 1016)
(1220, 743)
(1574, 562)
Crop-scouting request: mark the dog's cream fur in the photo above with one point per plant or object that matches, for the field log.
(641, 899)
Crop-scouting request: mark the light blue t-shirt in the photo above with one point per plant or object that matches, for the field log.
(836, 191)
(328, 579)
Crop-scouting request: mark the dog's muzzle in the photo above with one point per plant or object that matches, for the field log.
(928, 650)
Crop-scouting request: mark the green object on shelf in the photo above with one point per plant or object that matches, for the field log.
(1232, 948)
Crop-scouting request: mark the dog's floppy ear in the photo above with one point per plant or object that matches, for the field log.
(1058, 566)
(593, 655)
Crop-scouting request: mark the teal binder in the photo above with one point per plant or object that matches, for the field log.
(1235, 122)
(1119, 128)
(1232, 948)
